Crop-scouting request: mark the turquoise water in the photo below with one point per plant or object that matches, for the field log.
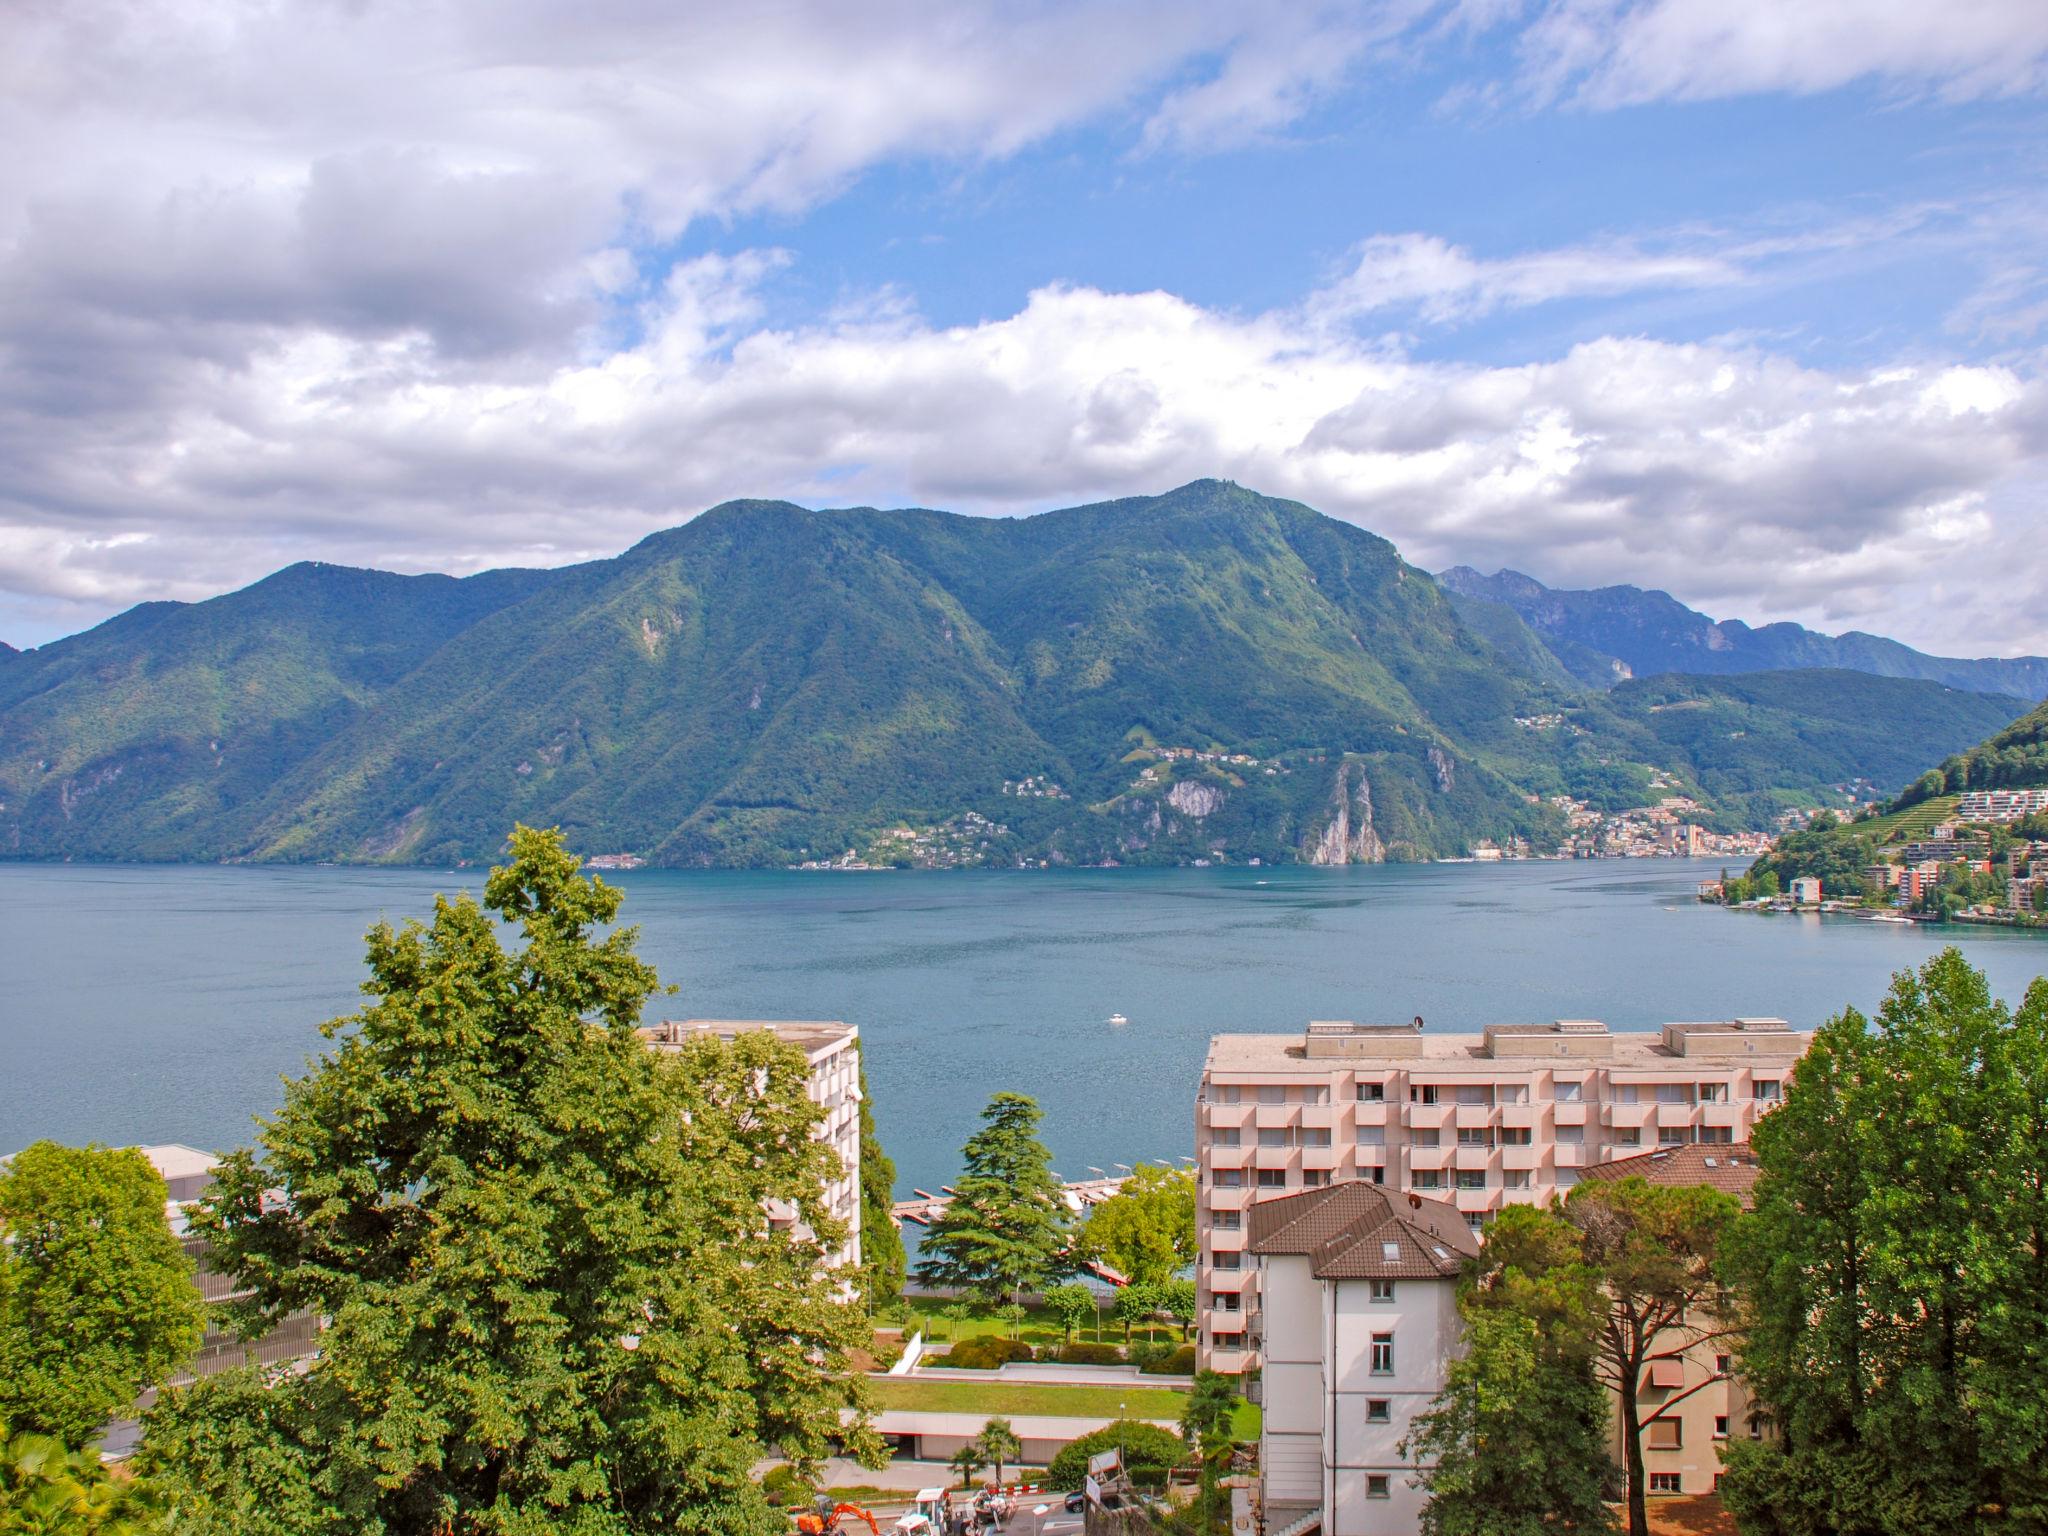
(163, 1003)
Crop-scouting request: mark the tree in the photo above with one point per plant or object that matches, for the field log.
(881, 1244)
(556, 1301)
(1207, 1423)
(1072, 1305)
(96, 1294)
(1134, 1303)
(1146, 1230)
(1892, 1278)
(1654, 1248)
(1149, 1453)
(1177, 1297)
(967, 1461)
(1005, 1229)
(47, 1489)
(999, 1445)
(1515, 1444)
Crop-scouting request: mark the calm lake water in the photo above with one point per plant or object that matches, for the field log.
(163, 1003)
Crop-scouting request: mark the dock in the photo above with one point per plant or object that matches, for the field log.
(1081, 1195)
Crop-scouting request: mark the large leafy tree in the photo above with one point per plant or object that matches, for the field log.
(1654, 1248)
(881, 1244)
(557, 1303)
(1005, 1231)
(1515, 1443)
(1146, 1230)
(1894, 1274)
(96, 1294)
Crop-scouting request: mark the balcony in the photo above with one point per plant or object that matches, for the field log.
(1573, 1157)
(1473, 1157)
(1429, 1157)
(1274, 1117)
(1472, 1117)
(1374, 1113)
(1226, 1240)
(1321, 1117)
(1634, 1116)
(1522, 1157)
(1228, 1199)
(1674, 1115)
(1730, 1115)
(1321, 1157)
(1566, 1114)
(1468, 1200)
(1227, 1115)
(1521, 1116)
(1229, 1157)
(1429, 1117)
(1276, 1157)
(1226, 1282)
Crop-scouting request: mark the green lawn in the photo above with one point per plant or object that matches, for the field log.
(1039, 1327)
(1018, 1398)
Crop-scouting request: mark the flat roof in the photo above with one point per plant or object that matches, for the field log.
(810, 1034)
(1636, 1048)
(174, 1160)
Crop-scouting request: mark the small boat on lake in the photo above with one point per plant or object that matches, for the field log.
(1117, 1018)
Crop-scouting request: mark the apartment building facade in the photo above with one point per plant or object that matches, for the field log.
(832, 1048)
(1361, 1324)
(1478, 1121)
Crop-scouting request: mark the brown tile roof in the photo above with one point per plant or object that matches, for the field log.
(1362, 1231)
(1728, 1167)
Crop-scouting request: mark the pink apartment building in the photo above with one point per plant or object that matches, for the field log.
(1480, 1121)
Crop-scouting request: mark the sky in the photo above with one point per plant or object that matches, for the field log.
(1742, 300)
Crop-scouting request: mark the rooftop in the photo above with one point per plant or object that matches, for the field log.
(1326, 1044)
(1730, 1168)
(811, 1035)
(1362, 1231)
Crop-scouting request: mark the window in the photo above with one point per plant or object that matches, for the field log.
(1271, 1093)
(1717, 1135)
(1229, 1178)
(1475, 1221)
(1372, 1135)
(1724, 1365)
(1229, 1301)
(1664, 1482)
(1567, 1177)
(1274, 1136)
(1571, 1135)
(1372, 1093)
(1625, 1093)
(1226, 1221)
(1515, 1136)
(1429, 1138)
(1229, 1136)
(1511, 1093)
(1422, 1093)
(1516, 1178)
(1665, 1435)
(1272, 1178)
(1315, 1136)
(1315, 1178)
(1231, 1260)
(1229, 1093)
(1673, 1093)
(1720, 1426)
(1471, 1178)
(1316, 1093)
(1376, 1486)
(1382, 1290)
(1673, 1135)
(1378, 1410)
(1570, 1092)
(1230, 1340)
(1627, 1136)
(1379, 1174)
(1765, 1090)
(1474, 1136)
(1383, 1354)
(1475, 1095)
(1429, 1178)
(1713, 1093)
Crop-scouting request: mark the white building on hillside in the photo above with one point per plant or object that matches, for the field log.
(832, 1049)
(1357, 1322)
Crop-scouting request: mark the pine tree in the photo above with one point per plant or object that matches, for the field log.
(1006, 1229)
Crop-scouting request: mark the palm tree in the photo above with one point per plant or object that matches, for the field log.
(998, 1443)
(967, 1461)
(1206, 1424)
(53, 1491)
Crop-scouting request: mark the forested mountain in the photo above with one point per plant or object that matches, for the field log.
(1209, 673)
(2014, 758)
(1609, 634)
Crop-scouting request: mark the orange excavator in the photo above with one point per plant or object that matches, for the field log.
(830, 1520)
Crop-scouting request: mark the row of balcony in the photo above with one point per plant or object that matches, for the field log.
(1536, 1118)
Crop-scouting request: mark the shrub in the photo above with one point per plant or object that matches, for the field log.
(984, 1354)
(1079, 1353)
(1149, 1452)
(784, 1486)
(1170, 1362)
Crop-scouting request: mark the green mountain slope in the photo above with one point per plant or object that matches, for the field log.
(2013, 758)
(1205, 674)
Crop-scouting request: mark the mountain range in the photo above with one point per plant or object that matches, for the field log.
(1606, 635)
(1208, 674)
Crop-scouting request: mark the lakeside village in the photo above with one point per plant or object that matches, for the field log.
(1980, 857)
(1408, 1280)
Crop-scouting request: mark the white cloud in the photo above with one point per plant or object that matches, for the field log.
(1615, 53)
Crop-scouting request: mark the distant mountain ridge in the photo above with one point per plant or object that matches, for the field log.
(1603, 635)
(1208, 674)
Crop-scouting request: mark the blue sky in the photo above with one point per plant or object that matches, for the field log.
(1736, 299)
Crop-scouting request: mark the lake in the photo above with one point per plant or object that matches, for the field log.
(154, 1003)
